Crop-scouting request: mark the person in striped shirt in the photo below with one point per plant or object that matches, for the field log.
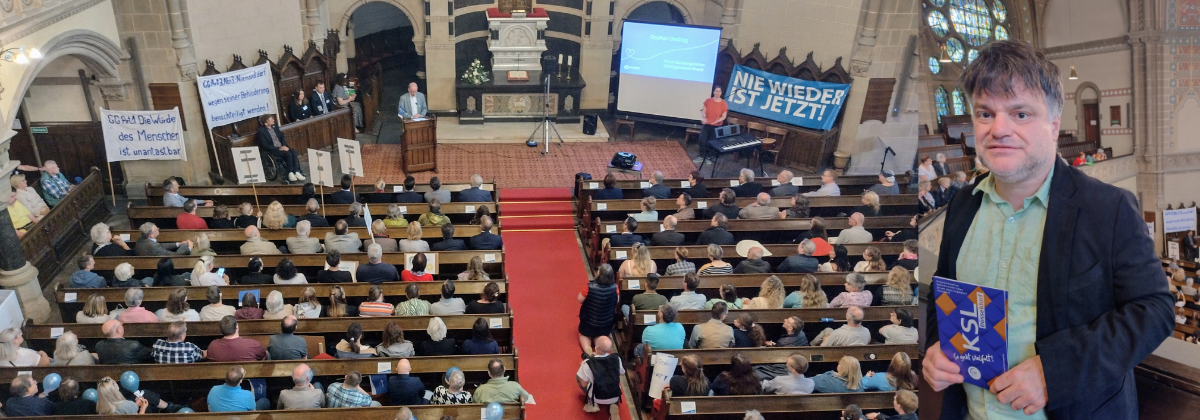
(375, 306)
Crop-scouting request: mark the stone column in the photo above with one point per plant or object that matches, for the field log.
(728, 22)
(312, 16)
(19, 275)
(441, 74)
(860, 64)
(181, 42)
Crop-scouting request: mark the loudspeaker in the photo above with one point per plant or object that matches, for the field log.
(589, 124)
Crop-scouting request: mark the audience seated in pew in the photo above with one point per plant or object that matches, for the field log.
(345, 195)
(215, 310)
(905, 403)
(104, 244)
(203, 246)
(627, 238)
(638, 265)
(451, 392)
(855, 234)
(475, 194)
(416, 271)
(498, 388)
(610, 190)
(220, 218)
(855, 294)
(794, 382)
(249, 308)
(68, 352)
(175, 348)
(649, 299)
(231, 397)
(334, 274)
(148, 245)
(648, 213)
(898, 289)
(116, 350)
(375, 271)
(374, 305)
(308, 306)
(665, 334)
(232, 347)
(352, 347)
(354, 216)
(285, 273)
(738, 380)
(685, 211)
(188, 219)
(681, 266)
(727, 205)
(793, 334)
(839, 261)
(404, 389)
(438, 344)
(689, 299)
(247, 217)
(256, 245)
(802, 262)
(448, 242)
(819, 235)
(274, 218)
(314, 218)
(255, 274)
(177, 308)
(84, 277)
(134, 312)
(395, 218)
(12, 354)
(408, 195)
(902, 330)
(909, 258)
(770, 295)
(436, 191)
(692, 383)
(24, 399)
(474, 271)
(413, 243)
(171, 197)
(887, 184)
(486, 240)
(489, 301)
(716, 265)
(656, 189)
(760, 209)
(753, 264)
(414, 305)
(746, 185)
(165, 275)
(448, 304)
(394, 344)
(851, 334)
(847, 378)
(714, 333)
(899, 376)
(380, 236)
(728, 296)
(338, 307)
(342, 239)
(829, 186)
(434, 216)
(668, 236)
(798, 210)
(275, 308)
(872, 261)
(746, 333)
(303, 394)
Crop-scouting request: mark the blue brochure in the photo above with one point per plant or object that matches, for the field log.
(973, 328)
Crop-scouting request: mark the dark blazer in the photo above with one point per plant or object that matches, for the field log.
(343, 197)
(381, 198)
(940, 169)
(731, 212)
(406, 390)
(146, 247)
(264, 138)
(749, 189)
(409, 197)
(624, 241)
(475, 195)
(698, 191)
(299, 112)
(715, 235)
(667, 238)
(110, 250)
(659, 191)
(449, 245)
(318, 107)
(314, 219)
(120, 351)
(486, 240)
(1097, 316)
(609, 194)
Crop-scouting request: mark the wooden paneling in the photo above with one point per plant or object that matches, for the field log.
(420, 145)
(314, 133)
(76, 146)
(166, 96)
(879, 98)
(951, 151)
(53, 243)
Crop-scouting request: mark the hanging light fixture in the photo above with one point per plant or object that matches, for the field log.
(19, 55)
(1073, 76)
(34, 53)
(945, 58)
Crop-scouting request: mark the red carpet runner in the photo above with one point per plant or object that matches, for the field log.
(546, 271)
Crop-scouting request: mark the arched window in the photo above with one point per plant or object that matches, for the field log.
(1001, 33)
(999, 11)
(959, 100)
(934, 66)
(940, 98)
(966, 25)
(937, 22)
(955, 48)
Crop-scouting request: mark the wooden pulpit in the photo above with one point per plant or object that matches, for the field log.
(419, 145)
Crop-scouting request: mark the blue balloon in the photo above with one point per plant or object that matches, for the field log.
(130, 381)
(186, 410)
(90, 395)
(494, 412)
(51, 382)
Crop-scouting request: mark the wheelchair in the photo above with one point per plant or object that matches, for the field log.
(273, 166)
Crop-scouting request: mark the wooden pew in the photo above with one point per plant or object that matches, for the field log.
(951, 151)
(700, 252)
(891, 204)
(771, 406)
(633, 188)
(493, 260)
(932, 140)
(71, 301)
(63, 232)
(964, 164)
(771, 225)
(42, 336)
(746, 284)
(430, 233)
(215, 371)
(164, 217)
(421, 412)
(286, 194)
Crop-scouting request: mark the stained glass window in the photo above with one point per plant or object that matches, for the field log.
(934, 65)
(1001, 33)
(999, 11)
(955, 48)
(972, 55)
(959, 102)
(940, 98)
(938, 3)
(937, 22)
(972, 20)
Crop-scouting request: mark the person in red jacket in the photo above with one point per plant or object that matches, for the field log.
(188, 219)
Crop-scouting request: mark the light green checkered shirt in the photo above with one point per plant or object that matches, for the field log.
(1001, 251)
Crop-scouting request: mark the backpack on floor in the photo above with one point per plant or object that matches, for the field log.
(606, 377)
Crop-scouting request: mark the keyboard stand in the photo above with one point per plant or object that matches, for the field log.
(707, 151)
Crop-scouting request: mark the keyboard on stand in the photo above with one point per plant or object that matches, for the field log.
(730, 144)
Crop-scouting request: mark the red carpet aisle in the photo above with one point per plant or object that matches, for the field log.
(519, 166)
(546, 271)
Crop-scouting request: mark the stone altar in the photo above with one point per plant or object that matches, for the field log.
(517, 41)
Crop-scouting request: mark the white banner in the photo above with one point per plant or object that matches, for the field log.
(237, 95)
(249, 166)
(143, 135)
(1181, 220)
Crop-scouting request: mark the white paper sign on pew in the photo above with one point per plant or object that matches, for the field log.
(320, 167)
(248, 164)
(350, 156)
(431, 265)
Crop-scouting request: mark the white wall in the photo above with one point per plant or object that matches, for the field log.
(827, 28)
(1074, 21)
(1180, 187)
(221, 28)
(377, 17)
(60, 103)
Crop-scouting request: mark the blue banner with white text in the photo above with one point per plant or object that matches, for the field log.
(784, 99)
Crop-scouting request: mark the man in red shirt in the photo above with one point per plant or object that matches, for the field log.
(712, 115)
(232, 347)
(188, 219)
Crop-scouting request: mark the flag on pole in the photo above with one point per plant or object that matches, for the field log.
(367, 218)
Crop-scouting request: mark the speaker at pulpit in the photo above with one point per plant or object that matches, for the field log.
(419, 144)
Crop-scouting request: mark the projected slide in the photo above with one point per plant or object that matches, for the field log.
(666, 70)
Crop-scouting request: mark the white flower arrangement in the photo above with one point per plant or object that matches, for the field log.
(475, 74)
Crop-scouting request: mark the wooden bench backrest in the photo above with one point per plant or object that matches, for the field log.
(777, 251)
(776, 316)
(634, 205)
(963, 164)
(44, 332)
(378, 211)
(951, 151)
(182, 262)
(735, 406)
(430, 233)
(741, 225)
(421, 412)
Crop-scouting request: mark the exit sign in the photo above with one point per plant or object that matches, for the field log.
(39, 130)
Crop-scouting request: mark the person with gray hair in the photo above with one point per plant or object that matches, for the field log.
(716, 233)
(375, 271)
(304, 394)
(302, 243)
(24, 399)
(452, 392)
(12, 354)
(123, 277)
(802, 262)
(175, 349)
(887, 184)
(276, 309)
(314, 218)
(256, 245)
(785, 187)
(760, 209)
(753, 415)
(656, 188)
(104, 244)
(829, 186)
(753, 264)
(475, 194)
(855, 234)
(851, 334)
(148, 245)
(747, 187)
(354, 216)
(855, 294)
(438, 344)
(134, 312)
